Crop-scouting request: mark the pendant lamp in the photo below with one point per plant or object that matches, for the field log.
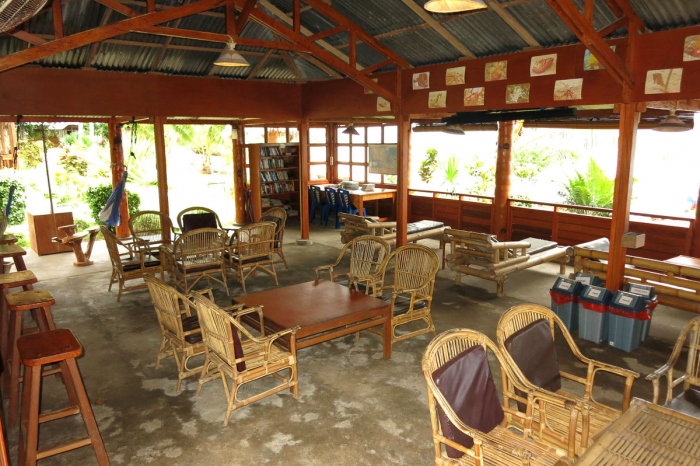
(671, 124)
(351, 129)
(229, 57)
(453, 6)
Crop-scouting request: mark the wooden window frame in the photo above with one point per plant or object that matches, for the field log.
(383, 183)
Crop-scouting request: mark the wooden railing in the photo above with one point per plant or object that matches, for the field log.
(667, 236)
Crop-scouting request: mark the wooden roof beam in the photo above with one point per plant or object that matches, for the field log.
(96, 45)
(245, 13)
(256, 69)
(612, 27)
(288, 60)
(513, 23)
(120, 8)
(166, 44)
(27, 37)
(439, 28)
(327, 33)
(57, 19)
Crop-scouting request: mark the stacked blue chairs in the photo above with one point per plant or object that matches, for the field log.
(345, 206)
(316, 202)
(331, 204)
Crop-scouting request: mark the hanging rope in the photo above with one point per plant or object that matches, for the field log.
(46, 164)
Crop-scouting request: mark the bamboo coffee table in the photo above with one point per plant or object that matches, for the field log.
(324, 310)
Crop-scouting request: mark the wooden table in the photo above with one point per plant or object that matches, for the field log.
(685, 261)
(358, 198)
(646, 434)
(324, 310)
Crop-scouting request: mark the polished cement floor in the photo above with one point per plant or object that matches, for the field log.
(354, 408)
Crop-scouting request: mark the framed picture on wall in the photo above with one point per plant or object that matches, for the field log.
(383, 159)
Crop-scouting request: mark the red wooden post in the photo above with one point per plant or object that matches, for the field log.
(304, 177)
(162, 170)
(499, 222)
(696, 231)
(239, 174)
(118, 168)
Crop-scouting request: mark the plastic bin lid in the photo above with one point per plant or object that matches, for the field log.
(588, 279)
(567, 287)
(595, 295)
(645, 291)
(628, 302)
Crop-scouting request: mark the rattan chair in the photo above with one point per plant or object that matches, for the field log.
(411, 293)
(198, 254)
(197, 210)
(128, 264)
(687, 402)
(251, 251)
(148, 227)
(281, 215)
(256, 358)
(367, 254)
(470, 425)
(532, 327)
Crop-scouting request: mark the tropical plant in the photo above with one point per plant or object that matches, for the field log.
(428, 165)
(202, 139)
(451, 170)
(592, 189)
(30, 154)
(73, 164)
(96, 197)
(484, 178)
(17, 211)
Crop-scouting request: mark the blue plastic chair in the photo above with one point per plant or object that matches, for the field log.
(345, 206)
(331, 204)
(316, 202)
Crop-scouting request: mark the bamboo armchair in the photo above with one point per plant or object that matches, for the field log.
(553, 427)
(367, 254)
(197, 210)
(252, 250)
(151, 229)
(687, 402)
(356, 225)
(128, 265)
(411, 293)
(257, 357)
(281, 215)
(500, 445)
(198, 254)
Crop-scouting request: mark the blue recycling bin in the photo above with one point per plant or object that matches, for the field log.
(588, 279)
(628, 312)
(564, 296)
(593, 315)
(649, 294)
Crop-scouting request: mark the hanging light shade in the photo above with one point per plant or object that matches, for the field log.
(453, 129)
(453, 6)
(229, 57)
(671, 124)
(351, 129)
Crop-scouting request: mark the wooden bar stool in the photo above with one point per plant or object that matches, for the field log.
(39, 302)
(25, 279)
(8, 239)
(16, 253)
(37, 350)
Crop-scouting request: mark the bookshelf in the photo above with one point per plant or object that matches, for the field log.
(274, 174)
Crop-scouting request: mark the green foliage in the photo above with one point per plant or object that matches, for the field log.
(17, 212)
(73, 164)
(203, 139)
(21, 240)
(71, 139)
(30, 154)
(96, 198)
(82, 224)
(592, 189)
(391, 179)
(484, 178)
(451, 170)
(428, 165)
(142, 165)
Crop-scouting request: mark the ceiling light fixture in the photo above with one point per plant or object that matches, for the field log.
(453, 6)
(229, 57)
(671, 124)
(351, 129)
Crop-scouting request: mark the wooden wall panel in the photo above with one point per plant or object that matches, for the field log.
(447, 212)
(420, 208)
(476, 216)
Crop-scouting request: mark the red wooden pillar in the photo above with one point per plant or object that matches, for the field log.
(499, 222)
(3, 141)
(629, 122)
(162, 171)
(239, 174)
(403, 150)
(695, 248)
(118, 168)
(304, 177)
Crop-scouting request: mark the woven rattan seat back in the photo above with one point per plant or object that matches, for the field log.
(149, 226)
(196, 210)
(367, 253)
(216, 330)
(113, 244)
(168, 303)
(201, 247)
(256, 240)
(415, 267)
(281, 214)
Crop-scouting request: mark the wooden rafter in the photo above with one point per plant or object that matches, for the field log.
(27, 37)
(166, 44)
(513, 23)
(245, 13)
(57, 19)
(256, 69)
(288, 60)
(96, 45)
(118, 7)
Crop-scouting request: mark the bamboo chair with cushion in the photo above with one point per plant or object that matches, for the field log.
(232, 351)
(278, 216)
(411, 294)
(367, 254)
(211, 221)
(252, 250)
(151, 229)
(526, 339)
(470, 425)
(198, 254)
(128, 264)
(687, 402)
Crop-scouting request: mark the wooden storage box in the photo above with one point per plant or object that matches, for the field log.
(42, 228)
(633, 240)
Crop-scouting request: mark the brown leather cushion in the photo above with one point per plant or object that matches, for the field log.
(202, 268)
(189, 324)
(248, 261)
(192, 222)
(402, 304)
(237, 348)
(148, 261)
(687, 403)
(466, 383)
(276, 221)
(532, 349)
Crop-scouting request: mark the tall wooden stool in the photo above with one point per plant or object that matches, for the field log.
(36, 350)
(39, 302)
(8, 239)
(15, 252)
(24, 279)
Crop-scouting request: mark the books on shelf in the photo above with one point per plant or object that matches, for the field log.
(272, 163)
(278, 187)
(274, 176)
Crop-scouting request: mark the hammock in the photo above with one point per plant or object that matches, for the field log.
(110, 212)
(15, 12)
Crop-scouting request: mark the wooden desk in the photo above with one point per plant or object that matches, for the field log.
(324, 310)
(646, 434)
(358, 198)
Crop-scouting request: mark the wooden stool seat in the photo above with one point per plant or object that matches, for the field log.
(8, 239)
(48, 347)
(31, 299)
(13, 279)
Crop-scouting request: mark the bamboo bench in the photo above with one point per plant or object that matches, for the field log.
(675, 285)
(482, 255)
(356, 226)
(74, 240)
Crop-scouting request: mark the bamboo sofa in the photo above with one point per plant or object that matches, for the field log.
(676, 286)
(482, 255)
(356, 226)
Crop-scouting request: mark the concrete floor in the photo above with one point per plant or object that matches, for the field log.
(354, 407)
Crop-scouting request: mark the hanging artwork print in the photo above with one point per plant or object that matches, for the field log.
(383, 158)
(568, 89)
(496, 71)
(518, 94)
(421, 80)
(663, 81)
(455, 76)
(691, 49)
(473, 96)
(383, 105)
(590, 61)
(543, 65)
(437, 99)
(368, 90)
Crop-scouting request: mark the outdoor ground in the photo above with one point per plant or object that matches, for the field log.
(354, 407)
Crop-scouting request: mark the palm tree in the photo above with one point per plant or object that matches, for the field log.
(201, 139)
(592, 189)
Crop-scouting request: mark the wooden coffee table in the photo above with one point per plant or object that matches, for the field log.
(324, 310)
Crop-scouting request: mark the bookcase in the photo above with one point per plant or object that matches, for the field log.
(274, 176)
